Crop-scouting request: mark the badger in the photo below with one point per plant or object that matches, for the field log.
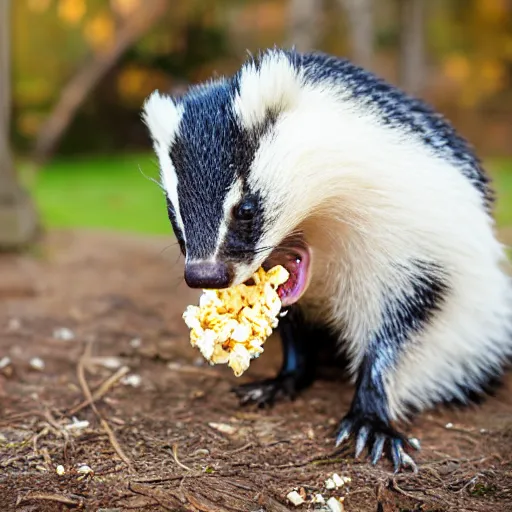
(378, 209)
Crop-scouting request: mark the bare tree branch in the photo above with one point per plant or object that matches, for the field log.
(412, 45)
(361, 29)
(18, 220)
(304, 23)
(87, 77)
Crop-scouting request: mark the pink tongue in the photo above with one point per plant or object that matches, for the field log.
(298, 267)
(286, 289)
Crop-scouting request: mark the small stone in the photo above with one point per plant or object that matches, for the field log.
(60, 470)
(63, 334)
(132, 380)
(36, 363)
(135, 343)
(295, 498)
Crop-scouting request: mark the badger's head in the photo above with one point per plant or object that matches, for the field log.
(225, 158)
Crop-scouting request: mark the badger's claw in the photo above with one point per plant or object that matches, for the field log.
(365, 429)
(266, 392)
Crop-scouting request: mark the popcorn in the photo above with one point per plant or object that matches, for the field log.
(231, 325)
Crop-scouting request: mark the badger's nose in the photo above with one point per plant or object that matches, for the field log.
(208, 274)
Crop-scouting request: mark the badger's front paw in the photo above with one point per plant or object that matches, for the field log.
(266, 392)
(375, 433)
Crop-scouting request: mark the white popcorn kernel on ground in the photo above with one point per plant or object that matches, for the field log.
(4, 362)
(132, 380)
(329, 484)
(338, 481)
(64, 334)
(231, 325)
(60, 470)
(295, 498)
(223, 427)
(77, 424)
(135, 343)
(37, 363)
(335, 504)
(318, 498)
(415, 443)
(85, 469)
(112, 363)
(449, 425)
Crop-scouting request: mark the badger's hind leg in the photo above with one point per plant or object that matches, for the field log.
(407, 312)
(298, 369)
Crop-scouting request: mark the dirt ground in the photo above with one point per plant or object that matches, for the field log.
(164, 432)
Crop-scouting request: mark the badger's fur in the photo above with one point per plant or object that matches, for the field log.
(392, 203)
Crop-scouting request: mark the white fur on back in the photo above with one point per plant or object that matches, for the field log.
(369, 198)
(163, 118)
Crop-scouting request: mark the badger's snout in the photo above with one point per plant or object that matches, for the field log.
(208, 274)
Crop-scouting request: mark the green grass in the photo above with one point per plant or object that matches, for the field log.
(502, 181)
(111, 193)
(108, 193)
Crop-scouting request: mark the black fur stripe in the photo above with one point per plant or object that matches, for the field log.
(405, 313)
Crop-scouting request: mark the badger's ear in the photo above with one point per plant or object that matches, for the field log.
(162, 116)
(270, 84)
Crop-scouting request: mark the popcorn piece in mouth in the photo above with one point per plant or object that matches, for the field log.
(230, 325)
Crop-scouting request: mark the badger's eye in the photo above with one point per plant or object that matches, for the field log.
(245, 210)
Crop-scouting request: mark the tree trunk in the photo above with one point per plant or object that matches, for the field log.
(304, 23)
(76, 91)
(412, 45)
(361, 30)
(18, 220)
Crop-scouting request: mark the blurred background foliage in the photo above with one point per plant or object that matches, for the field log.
(82, 68)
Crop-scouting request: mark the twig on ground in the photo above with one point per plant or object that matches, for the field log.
(394, 486)
(102, 390)
(156, 495)
(238, 450)
(36, 437)
(170, 478)
(90, 399)
(175, 455)
(58, 498)
(472, 481)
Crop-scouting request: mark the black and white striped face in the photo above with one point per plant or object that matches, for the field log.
(220, 213)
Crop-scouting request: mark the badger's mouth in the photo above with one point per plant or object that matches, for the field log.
(295, 256)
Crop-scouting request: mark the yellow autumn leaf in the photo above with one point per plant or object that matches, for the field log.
(457, 68)
(99, 31)
(38, 5)
(492, 74)
(71, 11)
(130, 83)
(492, 10)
